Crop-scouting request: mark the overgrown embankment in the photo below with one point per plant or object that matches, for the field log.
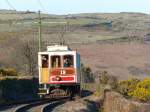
(131, 95)
(115, 102)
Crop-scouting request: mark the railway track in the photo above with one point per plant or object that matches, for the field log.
(49, 107)
(46, 105)
(41, 105)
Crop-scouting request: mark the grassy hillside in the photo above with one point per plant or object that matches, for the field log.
(115, 42)
(93, 27)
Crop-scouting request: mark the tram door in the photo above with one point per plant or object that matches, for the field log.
(45, 68)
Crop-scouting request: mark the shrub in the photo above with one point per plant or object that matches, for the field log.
(1, 71)
(123, 87)
(126, 87)
(132, 85)
(87, 74)
(113, 82)
(142, 91)
(104, 77)
(141, 94)
(8, 72)
(136, 89)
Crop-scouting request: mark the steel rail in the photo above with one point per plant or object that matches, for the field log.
(47, 104)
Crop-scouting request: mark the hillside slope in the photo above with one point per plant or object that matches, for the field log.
(115, 42)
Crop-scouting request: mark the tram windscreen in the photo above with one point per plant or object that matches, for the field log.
(55, 61)
(68, 61)
(45, 61)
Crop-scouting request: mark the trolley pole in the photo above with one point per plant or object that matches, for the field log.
(40, 35)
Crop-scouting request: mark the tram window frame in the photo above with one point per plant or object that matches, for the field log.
(72, 58)
(52, 61)
(45, 60)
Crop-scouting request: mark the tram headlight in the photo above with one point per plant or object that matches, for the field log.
(58, 78)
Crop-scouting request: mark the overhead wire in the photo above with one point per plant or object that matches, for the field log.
(10, 5)
(62, 30)
(13, 8)
(20, 16)
(42, 6)
(17, 13)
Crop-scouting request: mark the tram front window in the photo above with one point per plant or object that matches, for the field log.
(55, 61)
(68, 61)
(45, 61)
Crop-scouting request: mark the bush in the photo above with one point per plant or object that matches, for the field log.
(113, 82)
(123, 87)
(100, 90)
(141, 94)
(87, 74)
(126, 87)
(136, 89)
(104, 77)
(8, 72)
(142, 91)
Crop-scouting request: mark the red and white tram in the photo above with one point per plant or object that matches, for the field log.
(59, 68)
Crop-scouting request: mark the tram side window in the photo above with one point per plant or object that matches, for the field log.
(45, 61)
(68, 61)
(55, 61)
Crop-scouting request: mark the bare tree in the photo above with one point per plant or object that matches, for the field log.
(30, 56)
(24, 57)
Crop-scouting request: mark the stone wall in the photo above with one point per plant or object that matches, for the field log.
(114, 102)
(18, 89)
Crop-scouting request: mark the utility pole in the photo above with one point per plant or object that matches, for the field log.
(40, 35)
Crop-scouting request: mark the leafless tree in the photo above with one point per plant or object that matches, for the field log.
(24, 56)
(29, 53)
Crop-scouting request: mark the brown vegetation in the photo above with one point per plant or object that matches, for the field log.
(105, 41)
